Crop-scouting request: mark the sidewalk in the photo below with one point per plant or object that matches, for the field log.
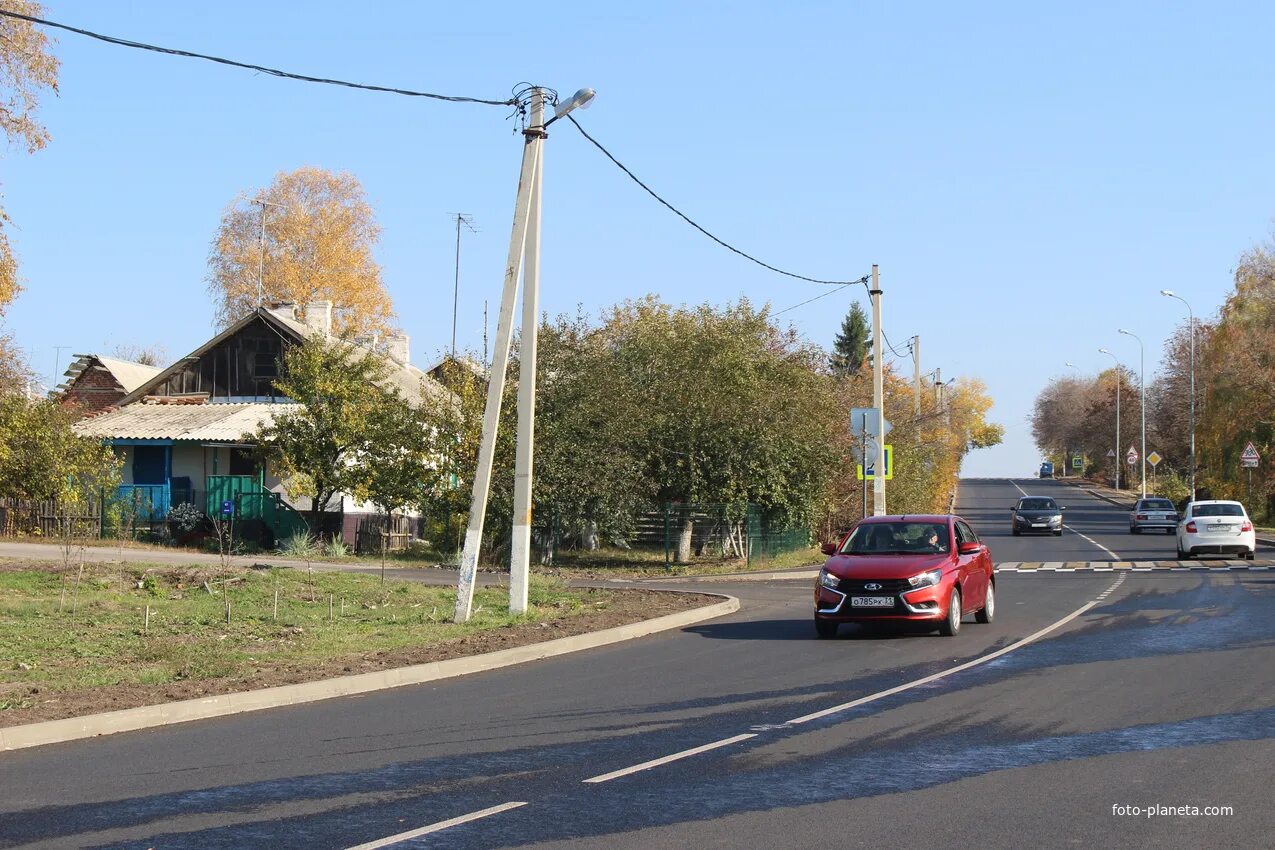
(1125, 499)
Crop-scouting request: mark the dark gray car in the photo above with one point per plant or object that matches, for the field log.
(1036, 514)
(1153, 512)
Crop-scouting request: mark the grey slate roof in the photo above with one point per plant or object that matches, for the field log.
(222, 423)
(128, 374)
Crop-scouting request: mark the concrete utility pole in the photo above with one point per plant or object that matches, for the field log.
(520, 546)
(524, 242)
(496, 379)
(916, 375)
(878, 397)
(1191, 318)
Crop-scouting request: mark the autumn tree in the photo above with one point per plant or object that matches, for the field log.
(26, 68)
(319, 237)
(850, 348)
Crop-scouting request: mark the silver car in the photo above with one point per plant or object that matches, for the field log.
(1153, 513)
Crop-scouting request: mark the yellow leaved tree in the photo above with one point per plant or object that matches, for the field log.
(26, 67)
(319, 237)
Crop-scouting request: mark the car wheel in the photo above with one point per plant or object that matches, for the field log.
(826, 628)
(1016, 532)
(1133, 529)
(1058, 533)
(952, 623)
(1169, 531)
(1251, 555)
(988, 611)
(1183, 556)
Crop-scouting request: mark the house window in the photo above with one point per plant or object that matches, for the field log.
(150, 464)
(242, 462)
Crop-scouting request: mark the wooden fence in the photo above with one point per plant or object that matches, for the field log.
(47, 519)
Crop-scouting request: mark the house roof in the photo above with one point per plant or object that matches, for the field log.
(414, 384)
(127, 374)
(226, 423)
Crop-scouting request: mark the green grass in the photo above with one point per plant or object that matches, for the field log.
(55, 638)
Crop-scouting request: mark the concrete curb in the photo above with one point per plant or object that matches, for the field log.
(787, 575)
(145, 717)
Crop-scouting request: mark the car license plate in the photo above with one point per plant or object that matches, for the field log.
(1218, 527)
(872, 601)
(1039, 524)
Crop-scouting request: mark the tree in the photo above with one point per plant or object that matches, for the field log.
(42, 458)
(320, 234)
(26, 67)
(147, 355)
(319, 447)
(850, 348)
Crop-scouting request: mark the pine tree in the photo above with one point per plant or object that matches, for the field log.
(851, 345)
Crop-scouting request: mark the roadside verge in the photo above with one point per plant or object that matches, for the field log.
(145, 717)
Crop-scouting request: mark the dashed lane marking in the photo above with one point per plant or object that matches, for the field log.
(436, 827)
(647, 765)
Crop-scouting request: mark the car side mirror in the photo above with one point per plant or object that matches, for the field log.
(1062, 508)
(969, 548)
(828, 548)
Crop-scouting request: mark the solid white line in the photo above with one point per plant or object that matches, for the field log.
(436, 827)
(948, 672)
(647, 765)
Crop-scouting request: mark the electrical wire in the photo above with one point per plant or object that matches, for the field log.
(816, 298)
(886, 337)
(137, 45)
(693, 224)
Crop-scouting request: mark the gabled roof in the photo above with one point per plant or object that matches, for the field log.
(415, 385)
(225, 423)
(127, 374)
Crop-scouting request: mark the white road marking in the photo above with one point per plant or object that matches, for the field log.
(436, 827)
(846, 706)
(1079, 534)
(647, 765)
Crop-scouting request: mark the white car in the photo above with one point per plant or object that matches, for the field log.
(1216, 527)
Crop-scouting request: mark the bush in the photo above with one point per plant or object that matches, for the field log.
(336, 548)
(1173, 487)
(301, 546)
(185, 518)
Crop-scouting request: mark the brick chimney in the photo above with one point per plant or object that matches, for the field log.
(398, 349)
(317, 315)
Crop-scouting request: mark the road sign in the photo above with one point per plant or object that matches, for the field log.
(1250, 458)
(863, 422)
(1111, 452)
(227, 507)
(1132, 456)
(1154, 458)
(870, 473)
(1077, 462)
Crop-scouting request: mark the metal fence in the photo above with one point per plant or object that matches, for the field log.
(727, 531)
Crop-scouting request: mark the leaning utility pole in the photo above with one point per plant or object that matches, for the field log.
(496, 379)
(878, 397)
(916, 375)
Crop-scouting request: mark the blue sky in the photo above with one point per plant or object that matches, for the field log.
(1027, 176)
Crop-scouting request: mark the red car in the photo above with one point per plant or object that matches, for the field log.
(906, 569)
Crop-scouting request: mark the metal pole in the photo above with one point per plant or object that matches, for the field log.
(456, 287)
(916, 375)
(864, 454)
(878, 397)
(520, 547)
(1191, 314)
(496, 383)
(1142, 404)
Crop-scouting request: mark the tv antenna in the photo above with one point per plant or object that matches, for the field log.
(468, 221)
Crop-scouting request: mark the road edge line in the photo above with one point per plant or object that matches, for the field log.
(205, 708)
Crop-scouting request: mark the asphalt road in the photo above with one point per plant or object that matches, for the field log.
(1133, 690)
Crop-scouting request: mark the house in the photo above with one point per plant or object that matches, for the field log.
(182, 432)
(95, 383)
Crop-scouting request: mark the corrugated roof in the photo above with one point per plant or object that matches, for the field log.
(130, 375)
(200, 422)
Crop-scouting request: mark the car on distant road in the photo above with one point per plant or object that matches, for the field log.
(1216, 527)
(906, 570)
(1046, 470)
(1036, 514)
(1153, 512)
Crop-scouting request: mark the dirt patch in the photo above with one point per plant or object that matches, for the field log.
(623, 607)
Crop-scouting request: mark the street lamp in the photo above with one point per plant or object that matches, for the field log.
(1067, 453)
(1119, 381)
(1168, 293)
(524, 244)
(1142, 403)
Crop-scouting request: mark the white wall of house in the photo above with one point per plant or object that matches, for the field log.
(125, 454)
(188, 462)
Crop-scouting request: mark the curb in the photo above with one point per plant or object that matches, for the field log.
(787, 575)
(149, 716)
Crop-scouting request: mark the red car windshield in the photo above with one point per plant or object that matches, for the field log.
(897, 538)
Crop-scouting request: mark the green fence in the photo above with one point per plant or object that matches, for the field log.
(727, 531)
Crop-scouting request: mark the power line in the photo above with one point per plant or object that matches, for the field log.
(693, 224)
(891, 347)
(137, 45)
(817, 297)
